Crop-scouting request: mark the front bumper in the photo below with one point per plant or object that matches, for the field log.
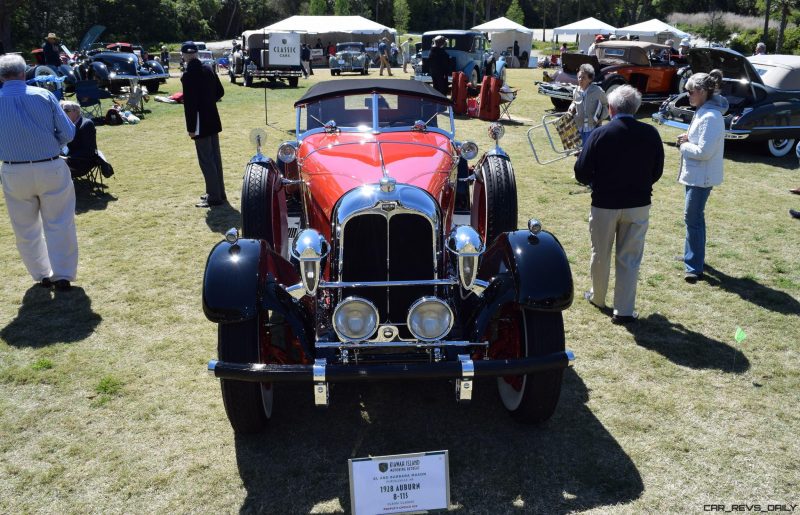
(557, 90)
(340, 373)
(731, 134)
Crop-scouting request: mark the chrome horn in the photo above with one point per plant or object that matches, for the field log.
(310, 248)
(466, 244)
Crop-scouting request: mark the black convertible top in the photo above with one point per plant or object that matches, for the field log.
(335, 88)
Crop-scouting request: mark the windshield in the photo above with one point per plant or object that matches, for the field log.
(349, 47)
(355, 111)
(204, 55)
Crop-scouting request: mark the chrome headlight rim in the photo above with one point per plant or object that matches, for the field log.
(343, 337)
(287, 153)
(416, 305)
(468, 150)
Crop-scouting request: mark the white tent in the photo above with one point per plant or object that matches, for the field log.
(326, 24)
(653, 30)
(502, 34)
(586, 30)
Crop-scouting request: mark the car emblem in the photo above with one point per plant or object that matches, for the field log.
(283, 41)
(383, 466)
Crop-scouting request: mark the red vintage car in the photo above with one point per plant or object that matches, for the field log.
(647, 67)
(371, 250)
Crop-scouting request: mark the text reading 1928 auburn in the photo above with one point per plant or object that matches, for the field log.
(371, 250)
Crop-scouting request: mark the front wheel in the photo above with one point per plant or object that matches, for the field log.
(560, 104)
(233, 77)
(494, 199)
(248, 80)
(247, 404)
(474, 77)
(529, 398)
(264, 207)
(294, 81)
(780, 147)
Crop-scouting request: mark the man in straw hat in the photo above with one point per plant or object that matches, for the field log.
(51, 51)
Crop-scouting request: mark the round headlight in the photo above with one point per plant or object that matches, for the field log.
(430, 319)
(469, 150)
(355, 319)
(287, 153)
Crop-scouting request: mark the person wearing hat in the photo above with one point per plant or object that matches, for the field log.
(51, 51)
(165, 58)
(201, 92)
(597, 39)
(683, 48)
(439, 65)
(383, 55)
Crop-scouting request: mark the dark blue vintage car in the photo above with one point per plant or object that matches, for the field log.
(466, 50)
(763, 92)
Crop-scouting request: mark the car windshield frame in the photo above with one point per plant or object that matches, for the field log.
(383, 109)
(350, 47)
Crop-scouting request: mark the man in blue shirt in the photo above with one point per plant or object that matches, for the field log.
(383, 55)
(37, 184)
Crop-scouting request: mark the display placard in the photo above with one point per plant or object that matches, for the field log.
(400, 483)
(284, 49)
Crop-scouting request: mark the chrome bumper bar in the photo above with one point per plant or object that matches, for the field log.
(556, 91)
(336, 373)
(729, 134)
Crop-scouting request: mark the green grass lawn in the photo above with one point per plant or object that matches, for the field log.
(106, 407)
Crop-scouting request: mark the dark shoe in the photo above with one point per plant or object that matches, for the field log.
(796, 191)
(625, 319)
(62, 285)
(691, 277)
(46, 283)
(204, 197)
(795, 214)
(107, 170)
(207, 203)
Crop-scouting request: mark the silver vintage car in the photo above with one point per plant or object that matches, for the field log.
(350, 57)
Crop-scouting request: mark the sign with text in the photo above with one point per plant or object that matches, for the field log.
(400, 484)
(284, 49)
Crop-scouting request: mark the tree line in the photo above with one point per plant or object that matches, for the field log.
(25, 23)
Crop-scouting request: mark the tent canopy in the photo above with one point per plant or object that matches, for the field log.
(651, 28)
(502, 24)
(326, 24)
(586, 26)
(504, 32)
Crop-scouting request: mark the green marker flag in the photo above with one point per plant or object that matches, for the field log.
(740, 335)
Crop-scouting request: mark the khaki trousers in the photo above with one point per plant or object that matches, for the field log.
(40, 199)
(627, 227)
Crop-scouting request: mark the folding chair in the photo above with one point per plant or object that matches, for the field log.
(135, 100)
(566, 131)
(49, 82)
(90, 170)
(506, 99)
(88, 96)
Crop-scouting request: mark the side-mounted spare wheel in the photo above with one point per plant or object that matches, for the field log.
(494, 199)
(264, 206)
(247, 404)
(518, 333)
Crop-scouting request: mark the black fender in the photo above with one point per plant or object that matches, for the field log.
(612, 79)
(246, 277)
(529, 270)
(155, 66)
(99, 71)
(782, 117)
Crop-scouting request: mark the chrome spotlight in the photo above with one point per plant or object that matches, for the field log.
(232, 235)
(310, 248)
(469, 150)
(330, 127)
(466, 244)
(419, 126)
(355, 319)
(534, 226)
(287, 153)
(496, 131)
(430, 319)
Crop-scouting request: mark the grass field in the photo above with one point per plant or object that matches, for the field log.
(106, 407)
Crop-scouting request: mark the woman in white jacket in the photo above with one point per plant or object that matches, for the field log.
(701, 163)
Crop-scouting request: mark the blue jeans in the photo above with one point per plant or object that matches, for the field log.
(584, 137)
(694, 215)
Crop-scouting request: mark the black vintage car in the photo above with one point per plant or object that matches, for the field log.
(350, 57)
(763, 92)
(372, 250)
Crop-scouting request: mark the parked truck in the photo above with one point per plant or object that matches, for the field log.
(263, 55)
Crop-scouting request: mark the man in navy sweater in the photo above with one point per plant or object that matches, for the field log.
(621, 160)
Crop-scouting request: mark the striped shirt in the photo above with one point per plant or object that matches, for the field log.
(32, 124)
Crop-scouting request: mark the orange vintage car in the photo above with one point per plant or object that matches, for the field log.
(370, 249)
(646, 66)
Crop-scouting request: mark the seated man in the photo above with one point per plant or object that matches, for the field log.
(82, 153)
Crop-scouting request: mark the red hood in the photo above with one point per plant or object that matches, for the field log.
(333, 164)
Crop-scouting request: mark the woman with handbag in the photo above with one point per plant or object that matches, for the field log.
(589, 104)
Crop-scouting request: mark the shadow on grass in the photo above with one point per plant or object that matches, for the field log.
(90, 196)
(685, 347)
(571, 463)
(49, 316)
(755, 152)
(221, 218)
(752, 291)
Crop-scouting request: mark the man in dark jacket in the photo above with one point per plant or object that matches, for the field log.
(439, 65)
(621, 160)
(51, 51)
(83, 154)
(201, 91)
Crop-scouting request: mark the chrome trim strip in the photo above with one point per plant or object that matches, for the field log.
(375, 122)
(769, 128)
(570, 357)
(319, 370)
(366, 345)
(212, 365)
(467, 366)
(380, 284)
